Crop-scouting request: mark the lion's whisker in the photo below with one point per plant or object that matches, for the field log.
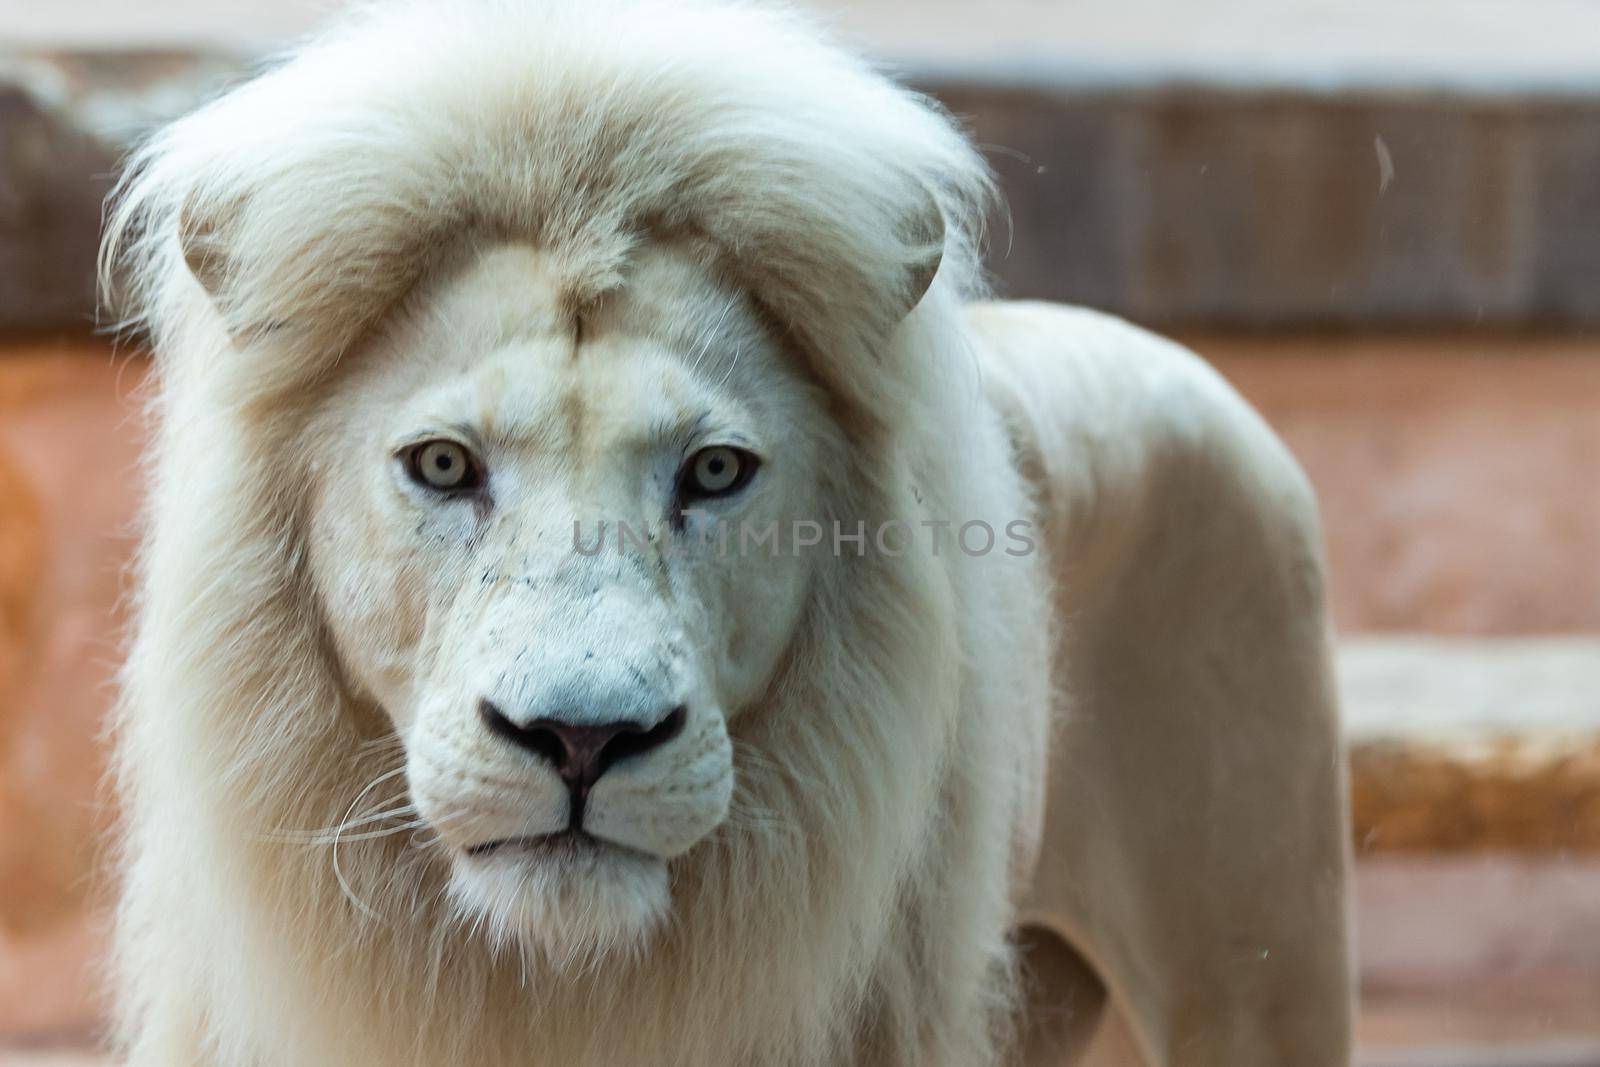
(338, 871)
(367, 835)
(312, 835)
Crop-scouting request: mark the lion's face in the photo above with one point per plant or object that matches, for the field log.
(564, 701)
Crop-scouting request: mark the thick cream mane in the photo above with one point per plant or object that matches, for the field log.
(854, 908)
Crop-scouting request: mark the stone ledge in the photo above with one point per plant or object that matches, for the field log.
(65, 120)
(51, 186)
(1211, 201)
(1279, 208)
(1473, 744)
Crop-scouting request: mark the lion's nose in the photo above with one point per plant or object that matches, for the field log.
(582, 752)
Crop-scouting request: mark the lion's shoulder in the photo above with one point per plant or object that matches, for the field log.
(1120, 431)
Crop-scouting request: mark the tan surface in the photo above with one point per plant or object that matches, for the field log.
(1456, 475)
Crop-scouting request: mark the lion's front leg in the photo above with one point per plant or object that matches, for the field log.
(1195, 843)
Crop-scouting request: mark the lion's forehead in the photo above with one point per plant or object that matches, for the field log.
(498, 348)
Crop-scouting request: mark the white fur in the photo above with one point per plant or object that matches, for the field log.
(405, 222)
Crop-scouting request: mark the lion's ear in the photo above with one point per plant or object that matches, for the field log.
(924, 240)
(201, 236)
(207, 236)
(309, 276)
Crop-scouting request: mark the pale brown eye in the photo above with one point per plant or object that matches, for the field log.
(716, 471)
(443, 466)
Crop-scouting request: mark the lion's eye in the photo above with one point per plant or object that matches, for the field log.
(444, 466)
(717, 471)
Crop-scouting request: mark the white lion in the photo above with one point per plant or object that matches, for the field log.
(419, 770)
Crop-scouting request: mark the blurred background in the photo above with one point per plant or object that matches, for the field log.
(1381, 221)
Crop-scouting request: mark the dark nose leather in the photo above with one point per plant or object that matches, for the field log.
(581, 752)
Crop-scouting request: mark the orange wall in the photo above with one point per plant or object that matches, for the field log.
(1458, 480)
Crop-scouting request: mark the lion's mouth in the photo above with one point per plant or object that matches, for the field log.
(564, 843)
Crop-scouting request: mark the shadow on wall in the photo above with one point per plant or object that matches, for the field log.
(68, 493)
(21, 562)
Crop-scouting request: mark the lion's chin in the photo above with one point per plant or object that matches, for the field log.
(574, 903)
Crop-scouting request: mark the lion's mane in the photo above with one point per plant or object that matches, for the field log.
(855, 907)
